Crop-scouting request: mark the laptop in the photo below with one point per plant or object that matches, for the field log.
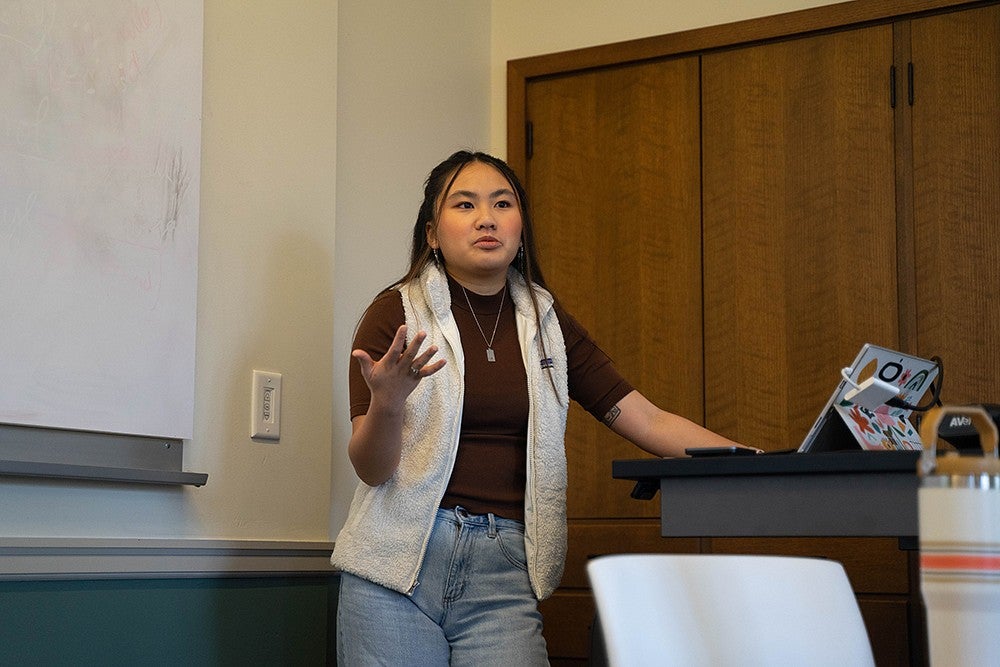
(844, 424)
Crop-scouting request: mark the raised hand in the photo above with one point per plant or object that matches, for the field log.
(402, 366)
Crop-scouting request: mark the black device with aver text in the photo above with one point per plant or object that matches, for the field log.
(958, 430)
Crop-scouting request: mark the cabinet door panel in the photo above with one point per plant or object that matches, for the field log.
(799, 226)
(956, 193)
(614, 182)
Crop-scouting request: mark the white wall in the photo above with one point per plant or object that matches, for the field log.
(266, 269)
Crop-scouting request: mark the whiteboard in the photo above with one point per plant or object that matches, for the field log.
(100, 143)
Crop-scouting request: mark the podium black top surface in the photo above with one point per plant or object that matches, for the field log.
(845, 461)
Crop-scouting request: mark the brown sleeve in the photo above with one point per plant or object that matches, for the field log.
(594, 382)
(374, 335)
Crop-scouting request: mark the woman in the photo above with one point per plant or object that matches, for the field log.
(464, 372)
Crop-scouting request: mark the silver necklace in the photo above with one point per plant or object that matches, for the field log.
(490, 356)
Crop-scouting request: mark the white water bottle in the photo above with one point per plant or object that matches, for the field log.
(959, 510)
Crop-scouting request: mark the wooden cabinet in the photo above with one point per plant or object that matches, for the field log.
(956, 197)
(733, 211)
(799, 226)
(615, 184)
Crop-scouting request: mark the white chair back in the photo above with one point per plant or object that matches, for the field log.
(718, 610)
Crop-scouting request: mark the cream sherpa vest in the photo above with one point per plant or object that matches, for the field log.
(388, 527)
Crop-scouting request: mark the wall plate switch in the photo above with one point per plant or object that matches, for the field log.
(265, 409)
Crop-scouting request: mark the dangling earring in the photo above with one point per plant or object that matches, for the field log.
(437, 257)
(520, 259)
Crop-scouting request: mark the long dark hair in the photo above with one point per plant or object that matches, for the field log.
(437, 185)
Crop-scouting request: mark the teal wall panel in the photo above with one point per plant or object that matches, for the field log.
(222, 621)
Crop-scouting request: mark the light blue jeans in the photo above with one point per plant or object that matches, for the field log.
(473, 606)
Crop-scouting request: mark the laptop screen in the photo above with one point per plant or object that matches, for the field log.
(843, 424)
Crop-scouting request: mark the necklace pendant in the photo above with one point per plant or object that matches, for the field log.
(489, 354)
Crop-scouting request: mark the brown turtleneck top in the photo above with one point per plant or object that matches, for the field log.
(490, 469)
